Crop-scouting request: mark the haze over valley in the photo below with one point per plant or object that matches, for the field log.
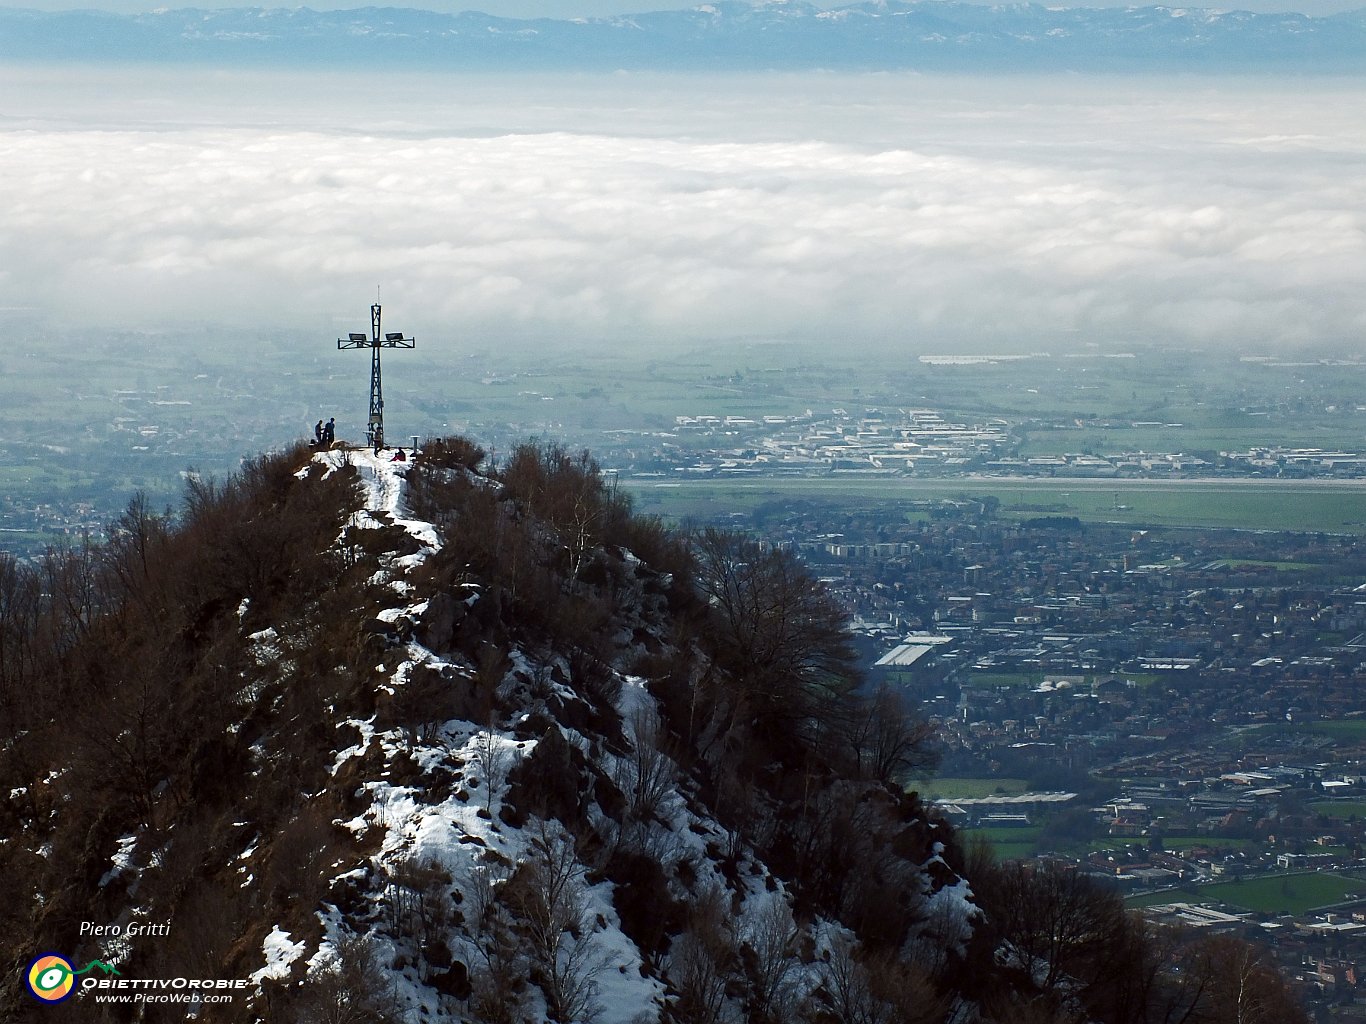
(893, 212)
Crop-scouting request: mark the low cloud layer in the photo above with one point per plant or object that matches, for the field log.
(1140, 224)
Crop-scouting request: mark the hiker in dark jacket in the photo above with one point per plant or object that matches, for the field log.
(330, 432)
(318, 433)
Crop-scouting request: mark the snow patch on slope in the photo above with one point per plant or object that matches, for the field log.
(280, 953)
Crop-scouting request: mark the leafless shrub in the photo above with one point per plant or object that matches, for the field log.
(782, 637)
(583, 631)
(701, 962)
(646, 775)
(497, 971)
(861, 989)
(417, 900)
(490, 673)
(496, 996)
(769, 946)
(493, 758)
(548, 900)
(294, 874)
(940, 932)
(487, 924)
(887, 740)
(452, 452)
(350, 988)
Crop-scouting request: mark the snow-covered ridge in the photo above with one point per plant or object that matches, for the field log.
(442, 744)
(434, 744)
(436, 804)
(460, 837)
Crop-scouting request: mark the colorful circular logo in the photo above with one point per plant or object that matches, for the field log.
(51, 978)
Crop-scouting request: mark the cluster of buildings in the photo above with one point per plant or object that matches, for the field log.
(1278, 461)
(1186, 706)
(871, 441)
(900, 442)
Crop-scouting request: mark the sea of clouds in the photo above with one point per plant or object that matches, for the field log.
(885, 210)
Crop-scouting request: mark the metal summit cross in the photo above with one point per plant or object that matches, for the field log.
(374, 434)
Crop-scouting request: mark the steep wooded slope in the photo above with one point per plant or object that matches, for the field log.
(388, 741)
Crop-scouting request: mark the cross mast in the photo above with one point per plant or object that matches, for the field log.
(374, 433)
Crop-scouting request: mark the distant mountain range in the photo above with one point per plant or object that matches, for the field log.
(932, 35)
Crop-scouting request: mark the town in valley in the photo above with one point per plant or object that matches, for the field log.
(1127, 587)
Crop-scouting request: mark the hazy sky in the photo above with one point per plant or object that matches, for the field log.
(640, 210)
(592, 8)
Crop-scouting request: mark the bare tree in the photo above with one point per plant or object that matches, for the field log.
(567, 492)
(549, 900)
(1059, 923)
(348, 988)
(864, 989)
(134, 546)
(128, 742)
(1148, 980)
(781, 635)
(646, 775)
(889, 742)
(71, 578)
(769, 943)
(701, 962)
(1242, 987)
(492, 756)
(20, 610)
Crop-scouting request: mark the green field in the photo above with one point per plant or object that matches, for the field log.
(1306, 505)
(1271, 894)
(1174, 843)
(1236, 563)
(985, 680)
(1014, 843)
(1188, 438)
(1013, 850)
(1007, 843)
(1189, 842)
(1027, 834)
(1351, 730)
(1010, 679)
(1340, 808)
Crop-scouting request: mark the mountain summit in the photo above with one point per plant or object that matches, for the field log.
(355, 739)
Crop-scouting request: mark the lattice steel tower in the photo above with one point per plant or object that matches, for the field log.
(374, 434)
